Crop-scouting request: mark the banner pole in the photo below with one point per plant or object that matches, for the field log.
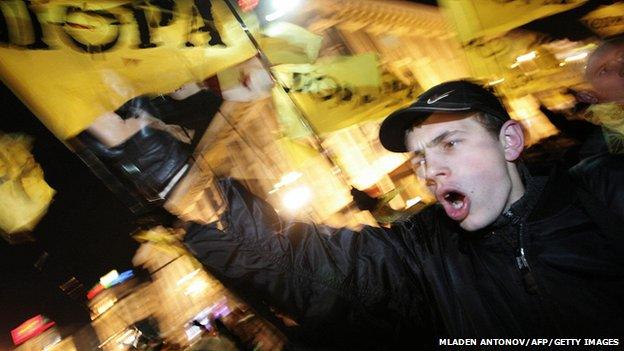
(316, 139)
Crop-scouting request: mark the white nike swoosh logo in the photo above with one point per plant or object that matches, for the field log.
(439, 97)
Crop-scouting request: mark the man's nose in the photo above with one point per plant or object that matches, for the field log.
(435, 170)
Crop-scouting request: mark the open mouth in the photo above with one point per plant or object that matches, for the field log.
(456, 204)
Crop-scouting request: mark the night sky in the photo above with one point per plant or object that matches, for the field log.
(85, 232)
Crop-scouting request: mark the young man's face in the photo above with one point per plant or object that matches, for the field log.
(605, 72)
(467, 168)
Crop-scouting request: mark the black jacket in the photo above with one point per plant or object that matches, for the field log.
(425, 277)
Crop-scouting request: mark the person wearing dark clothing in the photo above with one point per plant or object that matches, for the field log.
(588, 138)
(504, 253)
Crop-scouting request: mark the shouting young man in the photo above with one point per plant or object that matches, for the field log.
(504, 253)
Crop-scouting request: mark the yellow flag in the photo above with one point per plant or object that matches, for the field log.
(164, 240)
(25, 195)
(341, 92)
(606, 21)
(288, 115)
(477, 19)
(284, 42)
(298, 154)
(72, 61)
(611, 117)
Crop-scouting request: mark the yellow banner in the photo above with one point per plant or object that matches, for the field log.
(339, 93)
(493, 59)
(72, 61)
(284, 43)
(477, 19)
(606, 21)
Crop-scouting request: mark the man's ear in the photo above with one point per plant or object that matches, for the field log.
(512, 137)
(587, 96)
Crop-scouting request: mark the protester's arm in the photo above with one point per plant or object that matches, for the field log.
(329, 280)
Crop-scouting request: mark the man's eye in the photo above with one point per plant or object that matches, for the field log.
(450, 144)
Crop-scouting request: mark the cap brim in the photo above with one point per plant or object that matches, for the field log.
(393, 128)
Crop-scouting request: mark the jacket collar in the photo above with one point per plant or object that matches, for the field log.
(547, 191)
(558, 191)
(520, 210)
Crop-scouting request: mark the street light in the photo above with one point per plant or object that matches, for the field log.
(294, 199)
(280, 8)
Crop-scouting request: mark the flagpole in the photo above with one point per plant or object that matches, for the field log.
(316, 139)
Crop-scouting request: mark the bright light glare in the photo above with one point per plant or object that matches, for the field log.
(526, 57)
(105, 305)
(290, 177)
(494, 82)
(296, 198)
(413, 201)
(108, 278)
(285, 5)
(195, 287)
(286, 179)
(281, 7)
(187, 277)
(52, 344)
(576, 57)
(275, 15)
(128, 337)
(366, 178)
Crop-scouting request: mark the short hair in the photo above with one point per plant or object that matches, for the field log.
(491, 123)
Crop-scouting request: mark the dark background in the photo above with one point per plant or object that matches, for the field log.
(85, 233)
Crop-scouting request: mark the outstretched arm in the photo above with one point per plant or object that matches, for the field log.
(332, 281)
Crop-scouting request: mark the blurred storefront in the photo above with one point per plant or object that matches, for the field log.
(172, 307)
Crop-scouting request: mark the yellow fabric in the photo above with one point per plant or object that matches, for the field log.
(492, 59)
(284, 42)
(288, 115)
(298, 154)
(606, 21)
(476, 19)
(384, 214)
(611, 117)
(480, 26)
(167, 240)
(163, 238)
(24, 194)
(68, 88)
(338, 93)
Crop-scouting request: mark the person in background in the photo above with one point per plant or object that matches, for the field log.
(605, 74)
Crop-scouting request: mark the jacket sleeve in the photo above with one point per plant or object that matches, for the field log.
(338, 280)
(603, 176)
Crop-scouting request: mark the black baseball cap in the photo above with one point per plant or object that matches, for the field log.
(460, 96)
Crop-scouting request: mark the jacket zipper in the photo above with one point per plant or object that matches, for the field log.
(528, 280)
